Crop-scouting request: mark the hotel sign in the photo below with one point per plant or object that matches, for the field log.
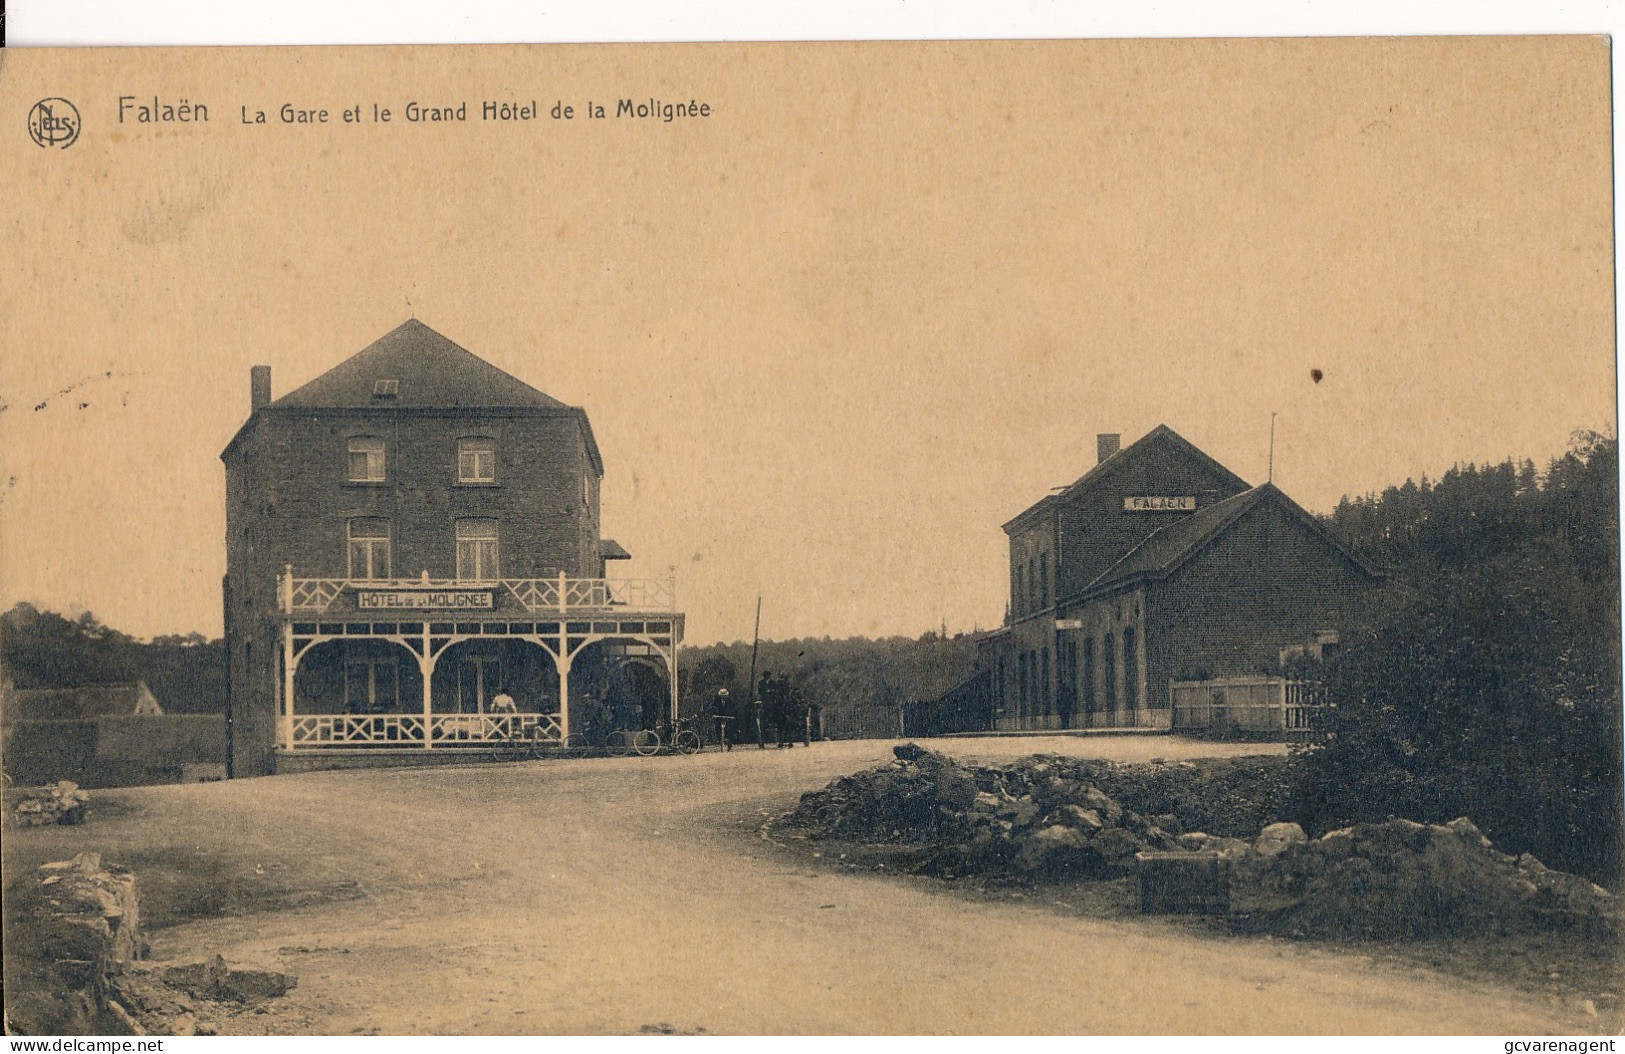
(463, 600)
(1160, 503)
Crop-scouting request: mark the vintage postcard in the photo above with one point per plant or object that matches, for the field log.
(1091, 537)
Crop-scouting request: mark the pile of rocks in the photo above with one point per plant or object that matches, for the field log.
(53, 803)
(196, 999)
(1404, 879)
(1035, 820)
(66, 938)
(1048, 819)
(74, 952)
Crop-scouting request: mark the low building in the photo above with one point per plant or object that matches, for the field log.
(84, 703)
(413, 541)
(105, 735)
(1159, 565)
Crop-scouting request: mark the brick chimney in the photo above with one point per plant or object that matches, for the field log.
(1107, 444)
(259, 387)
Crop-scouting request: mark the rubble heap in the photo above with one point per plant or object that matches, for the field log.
(1044, 818)
(1400, 878)
(61, 802)
(196, 999)
(1048, 819)
(74, 952)
(66, 938)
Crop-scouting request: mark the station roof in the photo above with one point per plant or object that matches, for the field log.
(1167, 549)
(1160, 435)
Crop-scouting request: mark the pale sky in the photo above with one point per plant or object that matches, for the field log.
(834, 335)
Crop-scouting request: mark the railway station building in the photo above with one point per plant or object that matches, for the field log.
(411, 535)
(1161, 589)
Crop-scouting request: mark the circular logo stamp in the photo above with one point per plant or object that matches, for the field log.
(54, 122)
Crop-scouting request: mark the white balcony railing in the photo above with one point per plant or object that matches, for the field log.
(560, 595)
(313, 730)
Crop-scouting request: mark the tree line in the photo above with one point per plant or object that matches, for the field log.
(42, 649)
(1488, 684)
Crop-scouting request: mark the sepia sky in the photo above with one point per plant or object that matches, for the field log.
(833, 335)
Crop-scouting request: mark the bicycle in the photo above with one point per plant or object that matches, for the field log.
(523, 743)
(684, 738)
(687, 739)
(618, 743)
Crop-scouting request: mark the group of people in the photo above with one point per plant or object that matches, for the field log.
(778, 712)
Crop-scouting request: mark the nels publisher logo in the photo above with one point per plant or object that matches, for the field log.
(54, 122)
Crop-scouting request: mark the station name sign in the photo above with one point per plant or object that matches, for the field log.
(467, 600)
(1160, 503)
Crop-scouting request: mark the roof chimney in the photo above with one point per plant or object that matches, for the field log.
(259, 387)
(1107, 444)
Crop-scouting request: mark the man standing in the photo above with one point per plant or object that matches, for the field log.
(721, 714)
(783, 712)
(762, 689)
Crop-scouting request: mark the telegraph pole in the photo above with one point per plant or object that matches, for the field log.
(750, 685)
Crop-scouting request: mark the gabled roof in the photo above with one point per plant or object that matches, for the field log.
(1105, 469)
(80, 704)
(428, 370)
(1167, 549)
(610, 549)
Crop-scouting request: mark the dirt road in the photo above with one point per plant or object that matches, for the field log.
(627, 895)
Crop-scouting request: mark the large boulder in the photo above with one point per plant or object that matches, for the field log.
(955, 788)
(1277, 838)
(1077, 817)
(1097, 799)
(1116, 848)
(1056, 852)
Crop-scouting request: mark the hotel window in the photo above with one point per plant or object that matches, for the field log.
(368, 538)
(371, 686)
(477, 550)
(476, 461)
(366, 460)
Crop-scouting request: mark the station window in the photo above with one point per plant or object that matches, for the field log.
(1131, 669)
(477, 550)
(476, 461)
(1108, 670)
(368, 545)
(1089, 675)
(366, 459)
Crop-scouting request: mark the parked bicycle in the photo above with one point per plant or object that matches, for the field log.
(522, 743)
(645, 742)
(617, 743)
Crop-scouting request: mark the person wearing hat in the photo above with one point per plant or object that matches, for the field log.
(721, 714)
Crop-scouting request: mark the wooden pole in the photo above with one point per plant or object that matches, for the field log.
(750, 683)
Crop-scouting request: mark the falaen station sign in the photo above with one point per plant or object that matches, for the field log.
(1160, 503)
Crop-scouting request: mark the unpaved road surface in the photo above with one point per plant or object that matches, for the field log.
(627, 895)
